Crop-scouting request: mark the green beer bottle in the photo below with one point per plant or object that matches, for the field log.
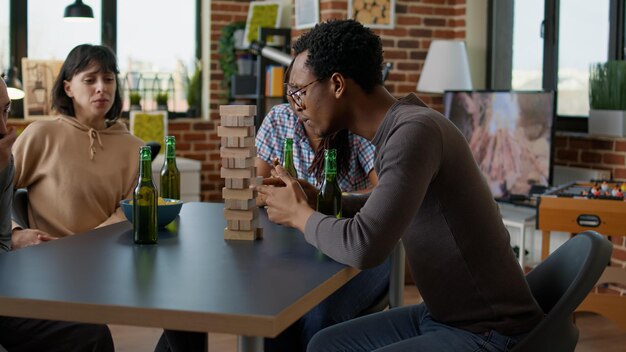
(329, 196)
(288, 158)
(170, 176)
(145, 202)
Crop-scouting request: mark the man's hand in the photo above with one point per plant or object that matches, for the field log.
(29, 237)
(309, 190)
(6, 142)
(286, 205)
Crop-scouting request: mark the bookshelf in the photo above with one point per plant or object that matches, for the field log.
(262, 63)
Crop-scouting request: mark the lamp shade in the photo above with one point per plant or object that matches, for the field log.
(445, 68)
(78, 11)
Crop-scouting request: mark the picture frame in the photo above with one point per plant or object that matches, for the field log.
(307, 13)
(373, 13)
(262, 14)
(149, 126)
(38, 77)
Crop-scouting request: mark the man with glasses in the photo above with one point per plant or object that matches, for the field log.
(431, 195)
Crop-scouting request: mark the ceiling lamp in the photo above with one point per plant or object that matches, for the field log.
(78, 12)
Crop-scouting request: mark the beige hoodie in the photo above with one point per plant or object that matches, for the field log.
(75, 175)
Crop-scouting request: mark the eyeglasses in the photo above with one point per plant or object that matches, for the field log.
(297, 95)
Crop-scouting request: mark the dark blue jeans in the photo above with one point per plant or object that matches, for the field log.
(409, 328)
(345, 304)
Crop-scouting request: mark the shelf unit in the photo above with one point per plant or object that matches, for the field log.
(262, 63)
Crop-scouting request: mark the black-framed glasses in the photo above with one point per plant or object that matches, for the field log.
(297, 95)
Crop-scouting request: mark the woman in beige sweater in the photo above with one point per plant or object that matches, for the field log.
(78, 166)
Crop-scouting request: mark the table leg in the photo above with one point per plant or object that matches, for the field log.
(545, 244)
(250, 344)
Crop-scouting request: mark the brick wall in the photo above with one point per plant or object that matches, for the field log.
(417, 23)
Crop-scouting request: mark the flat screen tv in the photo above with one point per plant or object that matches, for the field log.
(510, 134)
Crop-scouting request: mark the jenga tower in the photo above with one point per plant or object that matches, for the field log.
(238, 152)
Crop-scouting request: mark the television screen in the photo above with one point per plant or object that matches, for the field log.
(510, 135)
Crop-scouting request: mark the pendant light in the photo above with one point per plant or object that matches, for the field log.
(78, 12)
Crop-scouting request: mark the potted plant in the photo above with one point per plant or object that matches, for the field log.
(227, 54)
(135, 100)
(607, 98)
(161, 100)
(194, 91)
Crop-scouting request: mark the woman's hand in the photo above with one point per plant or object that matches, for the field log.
(21, 238)
(309, 190)
(287, 205)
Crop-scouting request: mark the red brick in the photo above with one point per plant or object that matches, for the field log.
(560, 142)
(620, 146)
(408, 44)
(406, 20)
(191, 136)
(435, 22)
(578, 143)
(570, 155)
(444, 34)
(201, 126)
(602, 145)
(613, 159)
(183, 146)
(589, 157)
(195, 156)
(409, 66)
(445, 11)
(418, 55)
(203, 146)
(420, 33)
(178, 126)
(422, 10)
(395, 54)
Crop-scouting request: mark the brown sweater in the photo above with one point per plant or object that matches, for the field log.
(432, 195)
(75, 175)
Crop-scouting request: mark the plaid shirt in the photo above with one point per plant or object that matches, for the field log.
(282, 122)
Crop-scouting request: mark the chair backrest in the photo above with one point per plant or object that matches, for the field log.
(559, 284)
(19, 209)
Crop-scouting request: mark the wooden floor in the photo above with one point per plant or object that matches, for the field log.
(596, 334)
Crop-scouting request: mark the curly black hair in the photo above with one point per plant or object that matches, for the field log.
(346, 47)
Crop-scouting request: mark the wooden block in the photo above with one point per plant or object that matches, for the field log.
(237, 121)
(238, 183)
(247, 152)
(237, 163)
(237, 142)
(245, 131)
(249, 235)
(257, 181)
(243, 225)
(245, 193)
(249, 172)
(231, 214)
(239, 204)
(237, 110)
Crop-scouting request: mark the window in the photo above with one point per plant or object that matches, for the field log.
(52, 37)
(554, 42)
(157, 51)
(583, 40)
(4, 35)
(527, 45)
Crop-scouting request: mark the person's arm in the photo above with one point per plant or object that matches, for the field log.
(367, 239)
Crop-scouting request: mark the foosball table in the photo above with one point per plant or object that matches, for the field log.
(580, 206)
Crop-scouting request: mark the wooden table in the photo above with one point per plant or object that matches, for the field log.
(574, 215)
(191, 280)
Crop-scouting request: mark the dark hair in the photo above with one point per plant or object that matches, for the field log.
(346, 47)
(79, 59)
(339, 140)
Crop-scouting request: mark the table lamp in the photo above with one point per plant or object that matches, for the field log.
(445, 68)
